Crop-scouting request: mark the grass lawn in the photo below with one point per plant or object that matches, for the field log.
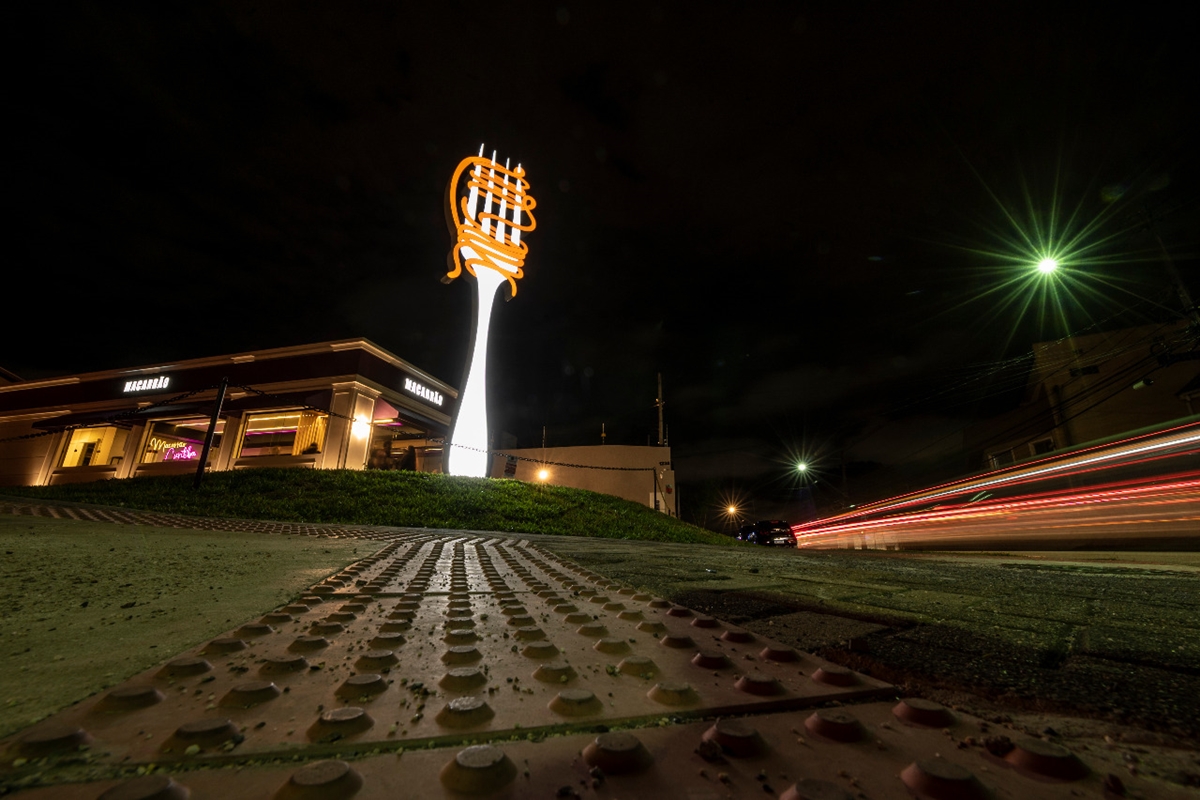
(387, 498)
(88, 604)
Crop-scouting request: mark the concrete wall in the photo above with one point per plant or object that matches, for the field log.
(638, 484)
(22, 462)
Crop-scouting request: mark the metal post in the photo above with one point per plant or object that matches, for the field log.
(212, 429)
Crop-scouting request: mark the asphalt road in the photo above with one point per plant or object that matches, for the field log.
(1112, 636)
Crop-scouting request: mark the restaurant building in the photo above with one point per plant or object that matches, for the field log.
(347, 404)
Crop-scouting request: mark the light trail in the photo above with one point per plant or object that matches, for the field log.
(1134, 510)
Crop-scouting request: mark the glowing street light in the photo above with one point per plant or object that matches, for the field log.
(731, 510)
(801, 467)
(543, 474)
(1047, 265)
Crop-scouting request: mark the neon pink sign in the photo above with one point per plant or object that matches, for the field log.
(185, 453)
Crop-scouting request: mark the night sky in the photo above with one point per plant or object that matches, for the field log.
(793, 212)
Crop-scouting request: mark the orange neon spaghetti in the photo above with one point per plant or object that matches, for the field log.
(487, 238)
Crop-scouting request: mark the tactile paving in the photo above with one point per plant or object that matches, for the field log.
(847, 753)
(461, 664)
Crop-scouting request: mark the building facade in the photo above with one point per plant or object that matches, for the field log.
(1089, 388)
(641, 474)
(347, 404)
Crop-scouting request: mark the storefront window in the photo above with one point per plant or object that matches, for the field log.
(401, 445)
(284, 433)
(95, 447)
(178, 440)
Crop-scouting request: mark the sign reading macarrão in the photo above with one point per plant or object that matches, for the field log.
(146, 384)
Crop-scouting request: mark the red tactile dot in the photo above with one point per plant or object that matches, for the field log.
(340, 723)
(834, 675)
(539, 649)
(676, 641)
(652, 627)
(147, 787)
(737, 637)
(835, 724)
(736, 737)
(461, 679)
(373, 660)
(639, 666)
(617, 752)
(592, 629)
(219, 647)
(918, 711)
(321, 780)
(307, 644)
(942, 780)
(128, 698)
(529, 633)
(254, 629)
(702, 621)
(282, 665)
(611, 646)
(709, 659)
(388, 641)
(1046, 758)
(53, 738)
(461, 654)
(465, 712)
(479, 769)
(555, 673)
(250, 694)
(679, 611)
(759, 683)
(782, 654)
(673, 694)
(575, 703)
(360, 687)
(206, 731)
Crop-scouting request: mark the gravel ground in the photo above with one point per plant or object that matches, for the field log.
(86, 605)
(1113, 638)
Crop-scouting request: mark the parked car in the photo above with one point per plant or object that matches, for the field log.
(769, 532)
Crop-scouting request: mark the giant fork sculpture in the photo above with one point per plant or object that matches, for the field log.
(488, 246)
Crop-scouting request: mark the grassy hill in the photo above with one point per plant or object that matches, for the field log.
(386, 498)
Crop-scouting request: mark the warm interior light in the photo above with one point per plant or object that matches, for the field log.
(543, 474)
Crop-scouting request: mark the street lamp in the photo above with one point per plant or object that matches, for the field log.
(1047, 265)
(801, 467)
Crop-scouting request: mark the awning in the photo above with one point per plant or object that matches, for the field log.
(253, 402)
(121, 417)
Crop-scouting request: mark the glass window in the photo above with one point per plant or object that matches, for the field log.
(1002, 458)
(284, 433)
(399, 444)
(1042, 447)
(95, 447)
(178, 440)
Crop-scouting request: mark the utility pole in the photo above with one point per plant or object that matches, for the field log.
(659, 404)
(212, 430)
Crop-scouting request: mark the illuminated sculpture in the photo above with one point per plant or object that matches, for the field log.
(489, 210)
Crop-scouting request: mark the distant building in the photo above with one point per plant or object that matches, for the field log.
(641, 474)
(1087, 388)
(333, 405)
